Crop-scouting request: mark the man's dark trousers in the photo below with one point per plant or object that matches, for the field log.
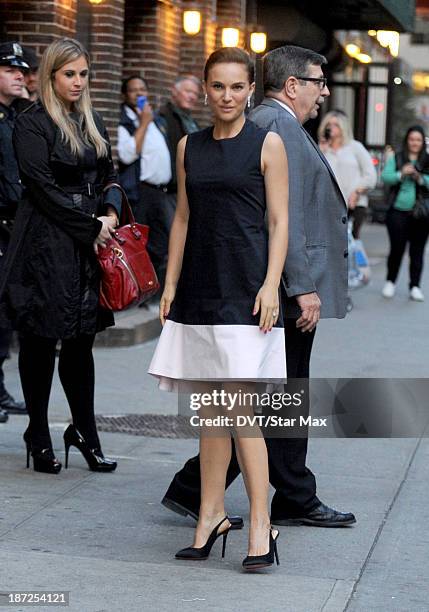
(157, 209)
(294, 483)
(5, 334)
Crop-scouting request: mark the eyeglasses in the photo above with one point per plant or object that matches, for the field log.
(323, 81)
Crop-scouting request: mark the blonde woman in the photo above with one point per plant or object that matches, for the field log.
(51, 285)
(351, 163)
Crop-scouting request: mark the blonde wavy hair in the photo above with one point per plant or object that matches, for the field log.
(56, 55)
(343, 122)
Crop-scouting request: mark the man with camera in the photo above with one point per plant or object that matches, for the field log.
(145, 167)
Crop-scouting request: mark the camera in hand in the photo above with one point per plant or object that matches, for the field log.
(141, 101)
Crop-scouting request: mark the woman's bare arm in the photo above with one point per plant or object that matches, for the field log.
(178, 233)
(275, 169)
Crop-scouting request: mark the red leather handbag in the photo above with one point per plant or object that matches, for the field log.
(127, 274)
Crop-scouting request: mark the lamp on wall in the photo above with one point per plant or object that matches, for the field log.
(364, 58)
(390, 39)
(230, 37)
(355, 52)
(352, 49)
(191, 22)
(258, 42)
(96, 1)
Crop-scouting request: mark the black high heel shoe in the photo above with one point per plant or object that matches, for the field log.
(26, 437)
(95, 459)
(43, 460)
(253, 562)
(199, 554)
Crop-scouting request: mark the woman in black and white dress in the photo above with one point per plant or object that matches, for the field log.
(220, 305)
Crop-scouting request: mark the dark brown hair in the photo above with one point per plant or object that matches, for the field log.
(423, 157)
(230, 55)
(283, 62)
(124, 86)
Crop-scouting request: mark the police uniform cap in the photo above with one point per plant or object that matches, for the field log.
(12, 54)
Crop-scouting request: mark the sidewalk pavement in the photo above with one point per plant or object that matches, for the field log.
(107, 540)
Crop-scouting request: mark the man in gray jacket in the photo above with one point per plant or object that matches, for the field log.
(314, 282)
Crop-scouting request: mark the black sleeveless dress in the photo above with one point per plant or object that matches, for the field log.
(210, 333)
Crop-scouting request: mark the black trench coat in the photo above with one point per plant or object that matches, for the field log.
(50, 283)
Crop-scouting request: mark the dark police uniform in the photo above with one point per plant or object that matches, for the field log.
(11, 54)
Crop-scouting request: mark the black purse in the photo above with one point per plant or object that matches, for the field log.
(421, 207)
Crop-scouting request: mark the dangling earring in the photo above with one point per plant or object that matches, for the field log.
(205, 100)
(248, 101)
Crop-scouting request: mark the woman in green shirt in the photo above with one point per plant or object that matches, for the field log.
(408, 173)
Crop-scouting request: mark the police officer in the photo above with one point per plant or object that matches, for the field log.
(12, 69)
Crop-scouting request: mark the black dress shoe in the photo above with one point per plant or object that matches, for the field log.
(3, 416)
(321, 516)
(8, 403)
(236, 521)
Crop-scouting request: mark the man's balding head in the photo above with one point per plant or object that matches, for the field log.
(185, 92)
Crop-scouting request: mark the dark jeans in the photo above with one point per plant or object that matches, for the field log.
(404, 229)
(358, 215)
(76, 372)
(294, 483)
(157, 210)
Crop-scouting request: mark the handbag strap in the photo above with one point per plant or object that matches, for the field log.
(127, 215)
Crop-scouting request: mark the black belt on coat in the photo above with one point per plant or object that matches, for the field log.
(89, 189)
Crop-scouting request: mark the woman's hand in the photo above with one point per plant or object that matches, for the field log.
(112, 214)
(112, 222)
(167, 298)
(353, 199)
(408, 170)
(108, 228)
(267, 302)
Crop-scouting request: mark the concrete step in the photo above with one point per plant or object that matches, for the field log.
(133, 326)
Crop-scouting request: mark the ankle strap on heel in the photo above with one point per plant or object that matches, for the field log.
(221, 523)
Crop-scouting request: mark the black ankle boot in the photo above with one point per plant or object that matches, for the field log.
(95, 459)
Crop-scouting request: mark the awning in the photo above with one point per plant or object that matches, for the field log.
(360, 14)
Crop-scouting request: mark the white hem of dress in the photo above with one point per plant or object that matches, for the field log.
(218, 353)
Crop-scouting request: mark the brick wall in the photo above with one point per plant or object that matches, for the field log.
(229, 14)
(195, 49)
(156, 47)
(37, 23)
(125, 36)
(230, 10)
(152, 44)
(106, 57)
